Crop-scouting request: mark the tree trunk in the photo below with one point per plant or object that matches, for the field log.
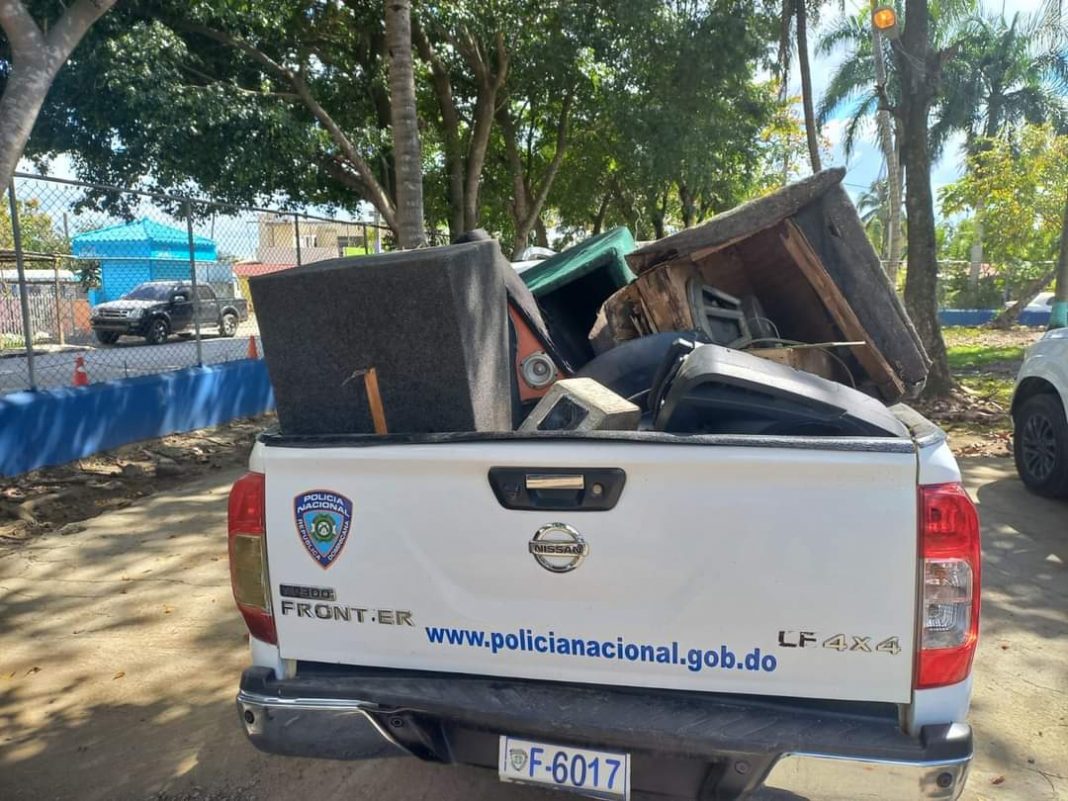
(687, 203)
(476, 154)
(602, 210)
(1008, 317)
(658, 216)
(975, 261)
(1058, 317)
(35, 59)
(918, 68)
(527, 204)
(888, 142)
(541, 236)
(407, 154)
(450, 128)
(489, 84)
(21, 103)
(806, 86)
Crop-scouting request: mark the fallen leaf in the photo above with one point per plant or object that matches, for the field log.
(118, 675)
(998, 780)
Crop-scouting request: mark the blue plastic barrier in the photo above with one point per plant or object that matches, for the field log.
(965, 317)
(950, 318)
(55, 426)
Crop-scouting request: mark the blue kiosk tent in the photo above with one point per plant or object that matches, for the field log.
(145, 250)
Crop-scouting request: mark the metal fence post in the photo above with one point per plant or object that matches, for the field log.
(296, 235)
(193, 278)
(24, 300)
(59, 302)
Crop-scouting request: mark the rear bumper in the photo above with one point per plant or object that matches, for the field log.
(685, 745)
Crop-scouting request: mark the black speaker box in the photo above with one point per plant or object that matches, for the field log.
(432, 322)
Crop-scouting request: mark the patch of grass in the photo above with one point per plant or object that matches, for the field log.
(991, 386)
(962, 334)
(971, 356)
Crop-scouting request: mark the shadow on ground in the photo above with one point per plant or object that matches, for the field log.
(120, 651)
(1020, 704)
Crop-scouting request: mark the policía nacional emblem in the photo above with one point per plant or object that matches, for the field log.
(323, 522)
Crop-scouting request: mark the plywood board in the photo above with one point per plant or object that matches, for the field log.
(880, 371)
(665, 296)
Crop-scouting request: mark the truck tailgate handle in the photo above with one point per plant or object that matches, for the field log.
(558, 489)
(555, 481)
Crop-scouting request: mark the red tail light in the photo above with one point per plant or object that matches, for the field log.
(248, 556)
(949, 541)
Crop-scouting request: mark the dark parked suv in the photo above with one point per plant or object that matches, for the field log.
(157, 309)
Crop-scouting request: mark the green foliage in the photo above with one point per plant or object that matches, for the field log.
(783, 147)
(148, 99)
(1022, 181)
(665, 117)
(973, 356)
(38, 233)
(88, 274)
(999, 77)
(675, 127)
(997, 74)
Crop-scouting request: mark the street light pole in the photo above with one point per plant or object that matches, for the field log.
(888, 142)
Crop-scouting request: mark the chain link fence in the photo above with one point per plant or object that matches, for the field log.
(100, 282)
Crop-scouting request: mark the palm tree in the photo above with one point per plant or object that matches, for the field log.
(1003, 75)
(873, 206)
(999, 79)
(867, 84)
(794, 20)
(407, 154)
(868, 69)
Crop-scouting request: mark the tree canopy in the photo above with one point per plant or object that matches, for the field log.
(1022, 180)
(530, 111)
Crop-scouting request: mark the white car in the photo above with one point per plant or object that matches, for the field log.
(1040, 443)
(1041, 303)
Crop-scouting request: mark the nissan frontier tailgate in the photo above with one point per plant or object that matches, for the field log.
(786, 569)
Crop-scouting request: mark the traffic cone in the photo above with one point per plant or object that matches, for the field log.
(252, 352)
(81, 375)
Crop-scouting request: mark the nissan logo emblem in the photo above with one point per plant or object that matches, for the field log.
(558, 548)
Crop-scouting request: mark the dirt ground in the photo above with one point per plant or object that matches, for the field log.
(59, 498)
(120, 651)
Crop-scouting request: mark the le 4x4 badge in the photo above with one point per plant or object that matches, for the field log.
(324, 519)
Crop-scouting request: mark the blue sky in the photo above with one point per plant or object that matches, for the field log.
(865, 163)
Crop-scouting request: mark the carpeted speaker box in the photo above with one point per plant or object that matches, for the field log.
(432, 322)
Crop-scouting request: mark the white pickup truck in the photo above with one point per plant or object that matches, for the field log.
(619, 614)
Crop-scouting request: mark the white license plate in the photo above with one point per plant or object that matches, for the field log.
(600, 774)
